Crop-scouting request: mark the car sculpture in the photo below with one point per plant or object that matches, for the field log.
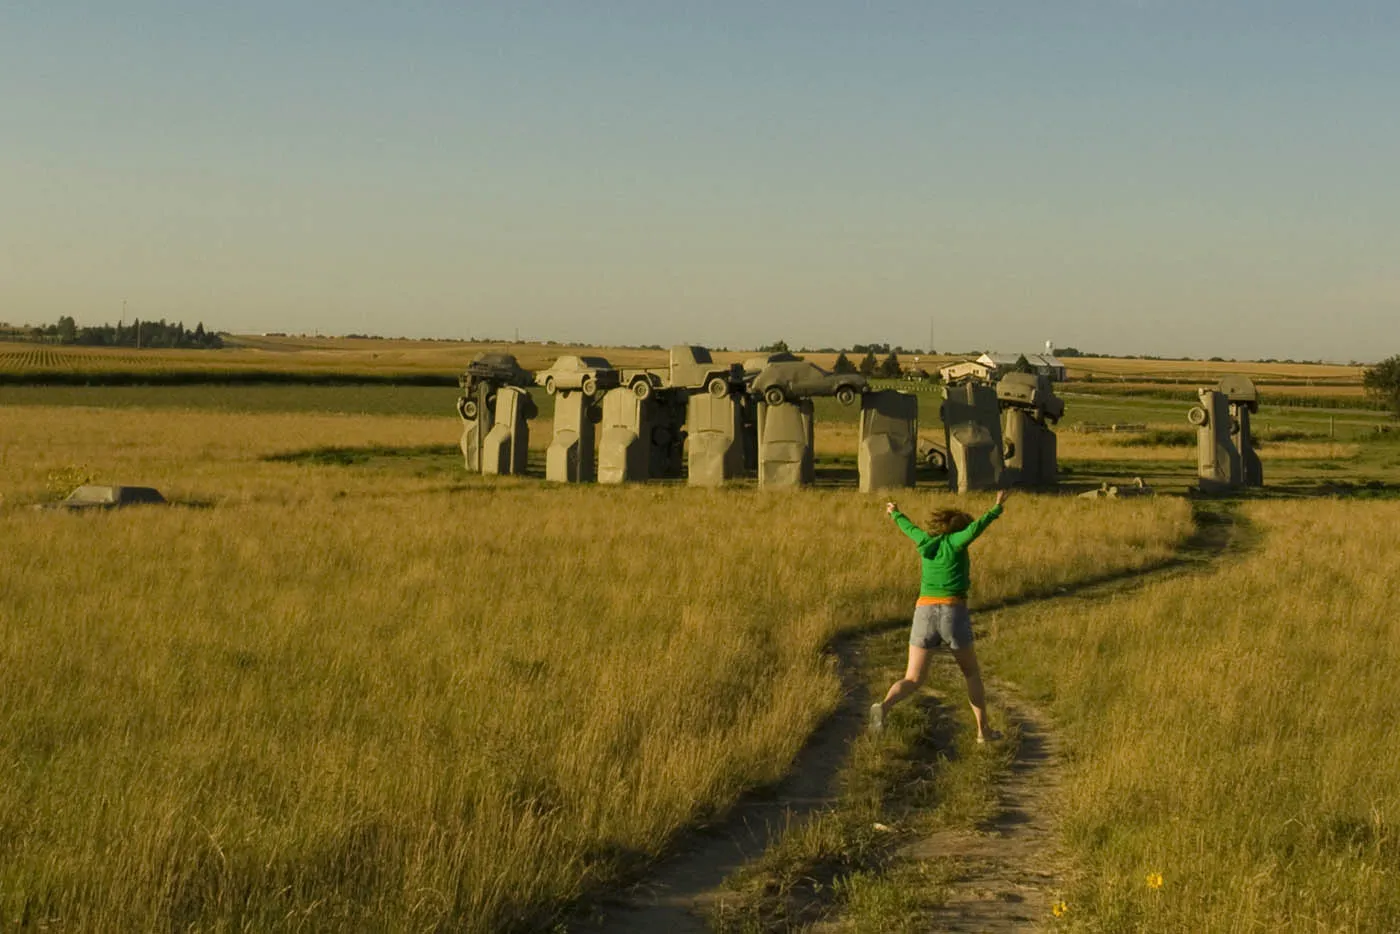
(691, 367)
(933, 454)
(755, 365)
(800, 379)
(493, 370)
(589, 375)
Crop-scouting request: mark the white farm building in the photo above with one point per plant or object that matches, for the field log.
(991, 365)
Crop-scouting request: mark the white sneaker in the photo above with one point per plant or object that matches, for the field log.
(877, 717)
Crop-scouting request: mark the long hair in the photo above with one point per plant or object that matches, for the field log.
(947, 521)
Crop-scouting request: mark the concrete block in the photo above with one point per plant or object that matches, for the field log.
(889, 432)
(624, 446)
(714, 439)
(505, 449)
(785, 435)
(570, 458)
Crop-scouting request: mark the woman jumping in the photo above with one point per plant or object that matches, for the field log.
(941, 615)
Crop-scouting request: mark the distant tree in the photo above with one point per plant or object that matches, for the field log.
(871, 348)
(843, 364)
(775, 347)
(1023, 365)
(868, 364)
(139, 333)
(889, 367)
(1382, 382)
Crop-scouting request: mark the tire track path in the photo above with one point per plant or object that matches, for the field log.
(1009, 867)
(1008, 871)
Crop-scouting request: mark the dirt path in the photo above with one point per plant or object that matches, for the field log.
(1008, 870)
(675, 897)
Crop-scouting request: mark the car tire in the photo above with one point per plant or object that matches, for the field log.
(589, 386)
(846, 395)
(936, 460)
(773, 395)
(1197, 416)
(717, 387)
(549, 386)
(642, 389)
(468, 409)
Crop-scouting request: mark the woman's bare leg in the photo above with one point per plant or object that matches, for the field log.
(913, 677)
(976, 694)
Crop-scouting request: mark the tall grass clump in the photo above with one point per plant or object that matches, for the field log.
(1234, 766)
(326, 703)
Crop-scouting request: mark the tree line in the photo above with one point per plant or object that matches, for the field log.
(138, 333)
(1382, 382)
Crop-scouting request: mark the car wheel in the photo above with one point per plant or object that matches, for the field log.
(846, 395)
(1197, 416)
(936, 460)
(589, 386)
(642, 389)
(549, 386)
(468, 409)
(718, 387)
(773, 395)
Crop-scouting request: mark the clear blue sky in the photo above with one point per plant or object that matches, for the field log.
(1138, 176)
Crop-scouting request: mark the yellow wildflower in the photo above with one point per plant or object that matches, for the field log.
(1154, 880)
(1059, 909)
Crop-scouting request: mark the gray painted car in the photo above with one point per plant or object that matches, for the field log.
(788, 380)
(691, 367)
(502, 369)
(589, 375)
(491, 370)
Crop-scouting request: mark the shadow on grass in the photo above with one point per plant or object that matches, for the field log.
(353, 456)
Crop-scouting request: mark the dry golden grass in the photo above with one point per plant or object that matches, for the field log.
(1105, 447)
(1232, 732)
(1117, 368)
(358, 697)
(1269, 387)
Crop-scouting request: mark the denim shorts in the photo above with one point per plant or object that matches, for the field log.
(939, 624)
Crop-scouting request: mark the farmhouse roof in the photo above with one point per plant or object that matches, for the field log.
(997, 359)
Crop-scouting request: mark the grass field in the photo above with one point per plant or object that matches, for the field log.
(252, 357)
(343, 685)
(315, 704)
(1230, 731)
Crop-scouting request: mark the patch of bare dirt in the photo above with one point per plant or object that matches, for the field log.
(1006, 873)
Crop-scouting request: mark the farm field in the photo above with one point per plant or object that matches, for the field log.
(303, 697)
(1224, 730)
(308, 358)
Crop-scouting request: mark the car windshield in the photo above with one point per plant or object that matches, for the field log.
(595, 362)
(701, 355)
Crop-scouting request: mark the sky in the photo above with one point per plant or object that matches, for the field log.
(1162, 177)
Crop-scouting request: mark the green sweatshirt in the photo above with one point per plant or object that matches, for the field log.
(945, 562)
